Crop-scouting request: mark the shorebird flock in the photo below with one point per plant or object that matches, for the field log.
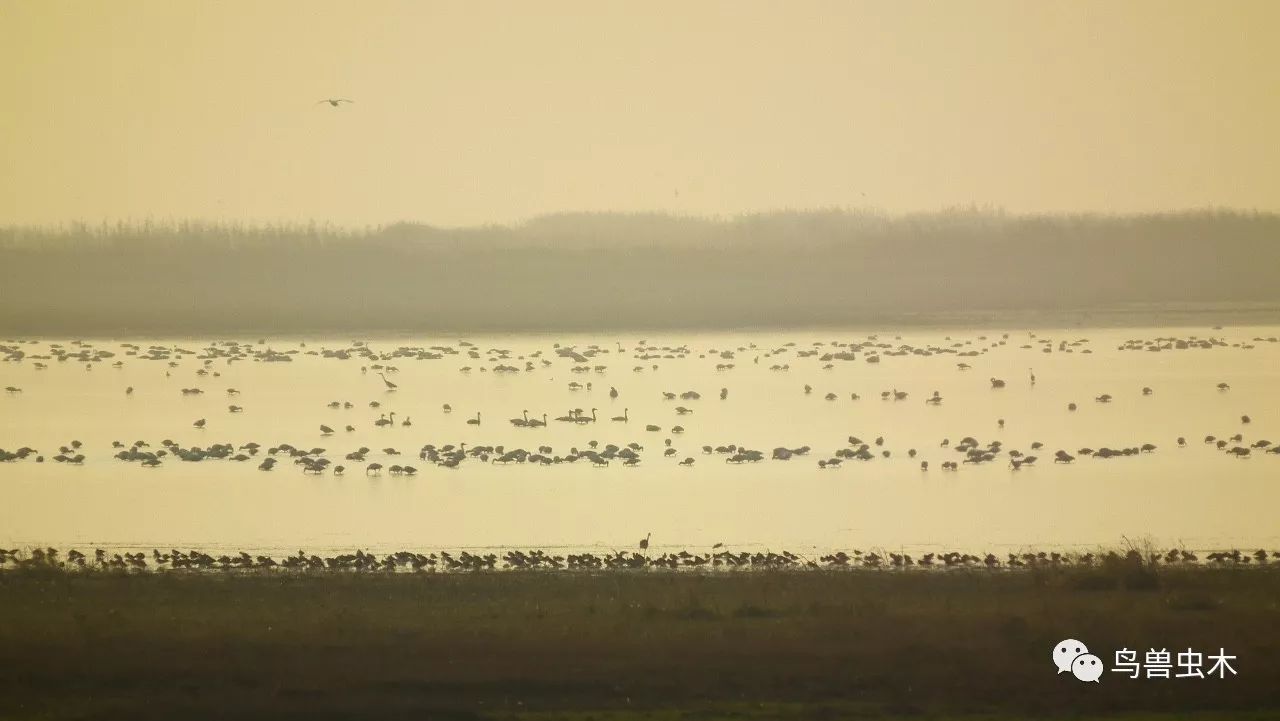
(194, 560)
(599, 373)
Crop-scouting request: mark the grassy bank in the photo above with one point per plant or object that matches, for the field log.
(654, 645)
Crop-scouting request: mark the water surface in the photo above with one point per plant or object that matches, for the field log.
(1194, 496)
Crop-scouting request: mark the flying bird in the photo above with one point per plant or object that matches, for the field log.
(334, 101)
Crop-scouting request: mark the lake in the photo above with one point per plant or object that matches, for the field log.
(1196, 496)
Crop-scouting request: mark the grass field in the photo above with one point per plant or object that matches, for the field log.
(628, 645)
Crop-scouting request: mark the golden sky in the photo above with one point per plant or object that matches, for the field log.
(474, 112)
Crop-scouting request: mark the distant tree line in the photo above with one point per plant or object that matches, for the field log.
(597, 271)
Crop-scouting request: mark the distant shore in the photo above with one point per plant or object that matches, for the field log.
(645, 273)
(1203, 318)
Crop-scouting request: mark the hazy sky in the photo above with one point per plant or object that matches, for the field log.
(474, 112)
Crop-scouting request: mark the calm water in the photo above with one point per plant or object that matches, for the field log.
(1195, 496)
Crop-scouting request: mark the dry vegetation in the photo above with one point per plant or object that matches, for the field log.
(627, 645)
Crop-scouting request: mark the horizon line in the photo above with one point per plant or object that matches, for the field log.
(973, 209)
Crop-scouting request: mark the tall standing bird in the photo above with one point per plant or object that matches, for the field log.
(390, 386)
(334, 101)
(644, 542)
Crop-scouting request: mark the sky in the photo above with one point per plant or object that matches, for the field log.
(471, 113)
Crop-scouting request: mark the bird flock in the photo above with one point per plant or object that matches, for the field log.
(717, 558)
(212, 360)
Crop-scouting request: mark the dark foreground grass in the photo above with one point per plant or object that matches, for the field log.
(626, 646)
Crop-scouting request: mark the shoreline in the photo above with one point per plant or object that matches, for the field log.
(1227, 315)
(1137, 557)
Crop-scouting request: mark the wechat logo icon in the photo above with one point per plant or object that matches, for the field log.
(1073, 657)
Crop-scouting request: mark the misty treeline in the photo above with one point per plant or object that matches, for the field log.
(596, 271)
